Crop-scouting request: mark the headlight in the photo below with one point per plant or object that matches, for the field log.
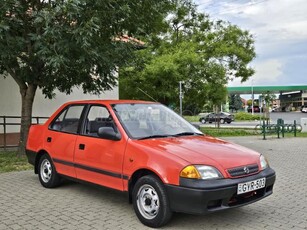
(200, 172)
(263, 162)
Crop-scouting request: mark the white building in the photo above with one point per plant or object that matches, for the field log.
(10, 102)
(10, 99)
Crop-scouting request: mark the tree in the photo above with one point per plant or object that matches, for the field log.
(235, 102)
(267, 98)
(66, 43)
(204, 54)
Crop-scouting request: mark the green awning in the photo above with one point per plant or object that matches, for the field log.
(262, 89)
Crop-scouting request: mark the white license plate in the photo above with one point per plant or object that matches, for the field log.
(251, 186)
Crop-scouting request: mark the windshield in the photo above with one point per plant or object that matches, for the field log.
(152, 120)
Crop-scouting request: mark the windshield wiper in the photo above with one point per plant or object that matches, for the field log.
(153, 136)
(187, 134)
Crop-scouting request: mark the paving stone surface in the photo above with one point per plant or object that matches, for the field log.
(25, 204)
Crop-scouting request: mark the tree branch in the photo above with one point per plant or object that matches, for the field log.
(20, 83)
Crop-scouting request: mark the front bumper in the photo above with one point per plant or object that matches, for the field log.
(200, 197)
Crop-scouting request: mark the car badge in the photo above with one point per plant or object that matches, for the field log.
(246, 170)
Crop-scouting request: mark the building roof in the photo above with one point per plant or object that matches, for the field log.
(261, 89)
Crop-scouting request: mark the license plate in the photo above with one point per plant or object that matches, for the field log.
(251, 186)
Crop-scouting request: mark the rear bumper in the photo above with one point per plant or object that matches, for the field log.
(31, 155)
(201, 197)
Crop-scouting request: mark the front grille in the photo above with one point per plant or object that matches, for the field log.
(243, 171)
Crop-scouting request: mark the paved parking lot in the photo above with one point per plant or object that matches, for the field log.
(25, 204)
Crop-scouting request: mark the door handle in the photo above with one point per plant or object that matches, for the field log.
(82, 146)
(49, 139)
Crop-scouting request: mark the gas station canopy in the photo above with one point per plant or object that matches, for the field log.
(263, 89)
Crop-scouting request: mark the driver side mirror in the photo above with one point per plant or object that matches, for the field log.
(109, 133)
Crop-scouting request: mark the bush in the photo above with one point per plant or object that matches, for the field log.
(227, 132)
(243, 116)
(192, 118)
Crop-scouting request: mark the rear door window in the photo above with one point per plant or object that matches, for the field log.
(68, 120)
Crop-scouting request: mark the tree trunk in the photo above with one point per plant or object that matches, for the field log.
(27, 97)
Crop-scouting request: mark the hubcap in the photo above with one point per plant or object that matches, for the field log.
(148, 201)
(45, 170)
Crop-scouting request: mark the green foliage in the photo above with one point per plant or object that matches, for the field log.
(249, 102)
(235, 102)
(192, 118)
(242, 116)
(204, 54)
(268, 97)
(228, 132)
(10, 162)
(61, 44)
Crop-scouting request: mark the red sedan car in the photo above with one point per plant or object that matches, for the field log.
(143, 148)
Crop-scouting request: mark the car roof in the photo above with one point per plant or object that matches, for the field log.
(110, 102)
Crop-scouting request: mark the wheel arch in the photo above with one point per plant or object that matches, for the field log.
(39, 154)
(137, 175)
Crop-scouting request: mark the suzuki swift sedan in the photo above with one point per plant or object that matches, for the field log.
(143, 148)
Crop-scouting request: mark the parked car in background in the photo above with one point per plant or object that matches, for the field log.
(304, 109)
(257, 109)
(221, 117)
(162, 162)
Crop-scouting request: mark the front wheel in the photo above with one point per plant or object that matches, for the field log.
(203, 120)
(47, 174)
(150, 202)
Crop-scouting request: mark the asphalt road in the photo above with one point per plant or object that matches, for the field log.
(25, 204)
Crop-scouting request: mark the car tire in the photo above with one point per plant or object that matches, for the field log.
(47, 174)
(203, 120)
(228, 122)
(222, 121)
(150, 202)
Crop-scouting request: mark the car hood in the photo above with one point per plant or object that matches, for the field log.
(204, 150)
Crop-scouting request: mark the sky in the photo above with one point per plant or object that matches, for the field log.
(279, 28)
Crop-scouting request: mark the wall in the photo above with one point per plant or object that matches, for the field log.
(10, 101)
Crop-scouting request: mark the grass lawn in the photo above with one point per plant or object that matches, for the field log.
(10, 162)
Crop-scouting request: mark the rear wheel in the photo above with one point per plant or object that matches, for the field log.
(203, 120)
(150, 202)
(222, 121)
(47, 174)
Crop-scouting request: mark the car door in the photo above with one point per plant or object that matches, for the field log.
(61, 139)
(99, 160)
(211, 117)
